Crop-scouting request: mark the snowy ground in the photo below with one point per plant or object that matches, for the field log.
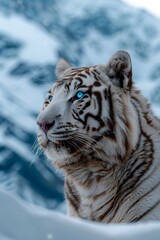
(19, 221)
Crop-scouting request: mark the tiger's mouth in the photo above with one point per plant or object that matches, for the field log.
(60, 136)
(61, 144)
(60, 141)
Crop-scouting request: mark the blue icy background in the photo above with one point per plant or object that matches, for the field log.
(33, 35)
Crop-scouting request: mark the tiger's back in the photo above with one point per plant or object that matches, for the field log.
(100, 130)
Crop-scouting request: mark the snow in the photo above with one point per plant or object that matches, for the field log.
(17, 107)
(20, 100)
(39, 49)
(38, 41)
(21, 221)
(151, 6)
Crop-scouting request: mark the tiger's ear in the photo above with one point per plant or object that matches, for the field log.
(119, 70)
(61, 67)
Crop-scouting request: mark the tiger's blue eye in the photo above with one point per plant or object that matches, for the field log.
(50, 98)
(79, 95)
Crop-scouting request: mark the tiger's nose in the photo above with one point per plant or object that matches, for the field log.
(45, 126)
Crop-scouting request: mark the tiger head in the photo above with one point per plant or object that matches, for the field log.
(88, 112)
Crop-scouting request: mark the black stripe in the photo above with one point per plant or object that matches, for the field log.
(95, 76)
(131, 186)
(71, 202)
(87, 104)
(87, 71)
(82, 75)
(145, 213)
(151, 190)
(105, 93)
(72, 193)
(111, 121)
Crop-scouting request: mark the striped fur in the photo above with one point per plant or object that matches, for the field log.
(107, 142)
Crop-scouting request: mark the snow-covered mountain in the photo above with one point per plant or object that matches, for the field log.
(26, 56)
(33, 35)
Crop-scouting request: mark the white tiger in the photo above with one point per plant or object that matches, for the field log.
(98, 128)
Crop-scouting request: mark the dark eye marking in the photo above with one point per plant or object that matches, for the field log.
(50, 98)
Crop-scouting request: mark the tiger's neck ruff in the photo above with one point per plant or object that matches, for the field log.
(98, 128)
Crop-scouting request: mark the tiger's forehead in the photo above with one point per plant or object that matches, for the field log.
(79, 76)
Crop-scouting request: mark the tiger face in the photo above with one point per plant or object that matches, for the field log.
(88, 108)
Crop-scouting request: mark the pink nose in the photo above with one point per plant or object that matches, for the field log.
(45, 126)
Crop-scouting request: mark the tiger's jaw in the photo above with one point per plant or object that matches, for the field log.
(62, 150)
(67, 150)
(74, 161)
